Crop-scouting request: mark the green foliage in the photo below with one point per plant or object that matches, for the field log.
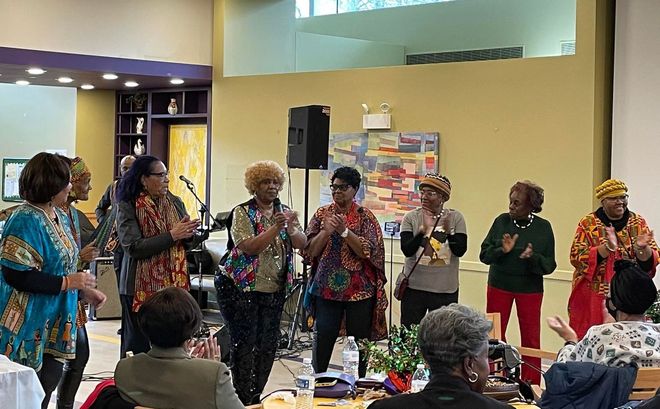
(654, 311)
(402, 354)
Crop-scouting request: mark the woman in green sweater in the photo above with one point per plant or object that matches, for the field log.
(520, 249)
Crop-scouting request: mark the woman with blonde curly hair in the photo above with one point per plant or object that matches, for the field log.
(257, 273)
(520, 250)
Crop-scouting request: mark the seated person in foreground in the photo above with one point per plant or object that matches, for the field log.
(168, 376)
(454, 342)
(629, 339)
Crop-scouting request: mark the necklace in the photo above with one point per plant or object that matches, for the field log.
(531, 219)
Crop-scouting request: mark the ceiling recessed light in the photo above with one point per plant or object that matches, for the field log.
(22, 82)
(35, 71)
(65, 80)
(131, 84)
(176, 81)
(110, 76)
(87, 86)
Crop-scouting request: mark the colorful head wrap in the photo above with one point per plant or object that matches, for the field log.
(78, 169)
(611, 188)
(437, 182)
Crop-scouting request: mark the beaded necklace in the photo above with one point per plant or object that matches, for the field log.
(531, 219)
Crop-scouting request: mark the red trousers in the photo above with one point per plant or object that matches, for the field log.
(528, 306)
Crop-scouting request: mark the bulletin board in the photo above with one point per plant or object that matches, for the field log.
(11, 171)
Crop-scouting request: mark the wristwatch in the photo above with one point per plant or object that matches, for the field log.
(344, 234)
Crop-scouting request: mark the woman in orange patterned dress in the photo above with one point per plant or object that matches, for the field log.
(610, 233)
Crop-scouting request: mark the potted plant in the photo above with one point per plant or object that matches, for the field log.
(137, 101)
(654, 312)
(399, 360)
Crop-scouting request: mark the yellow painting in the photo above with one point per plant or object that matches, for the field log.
(188, 158)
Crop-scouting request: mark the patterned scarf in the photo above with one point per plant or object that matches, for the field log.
(167, 268)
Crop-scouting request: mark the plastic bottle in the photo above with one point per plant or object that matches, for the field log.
(305, 385)
(351, 358)
(419, 379)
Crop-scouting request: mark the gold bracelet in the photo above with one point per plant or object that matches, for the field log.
(608, 247)
(66, 283)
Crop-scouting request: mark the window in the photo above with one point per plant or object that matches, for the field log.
(309, 8)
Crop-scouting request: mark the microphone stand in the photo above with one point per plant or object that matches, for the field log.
(201, 248)
(392, 228)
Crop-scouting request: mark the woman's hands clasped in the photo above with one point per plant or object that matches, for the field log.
(184, 229)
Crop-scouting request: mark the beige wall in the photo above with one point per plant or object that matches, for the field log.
(161, 30)
(500, 121)
(95, 140)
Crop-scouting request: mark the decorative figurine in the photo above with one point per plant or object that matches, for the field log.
(172, 108)
(139, 125)
(139, 148)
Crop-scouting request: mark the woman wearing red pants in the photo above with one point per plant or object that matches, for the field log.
(520, 249)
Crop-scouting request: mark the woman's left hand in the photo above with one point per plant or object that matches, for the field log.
(529, 250)
(206, 349)
(643, 240)
(94, 297)
(562, 328)
(89, 252)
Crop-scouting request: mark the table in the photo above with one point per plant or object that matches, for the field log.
(271, 403)
(19, 386)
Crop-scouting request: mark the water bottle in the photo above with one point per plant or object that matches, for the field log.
(351, 358)
(419, 379)
(305, 385)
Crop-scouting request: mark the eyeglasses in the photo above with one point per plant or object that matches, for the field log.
(339, 188)
(623, 198)
(161, 175)
(429, 193)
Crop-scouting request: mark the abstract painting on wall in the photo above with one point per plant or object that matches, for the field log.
(188, 157)
(391, 164)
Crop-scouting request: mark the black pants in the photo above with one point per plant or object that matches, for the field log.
(49, 376)
(73, 372)
(132, 338)
(329, 314)
(416, 303)
(253, 319)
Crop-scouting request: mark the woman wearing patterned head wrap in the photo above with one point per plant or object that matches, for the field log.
(610, 233)
(40, 285)
(81, 179)
(437, 236)
(520, 249)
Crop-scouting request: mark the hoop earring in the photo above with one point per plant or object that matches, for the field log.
(476, 377)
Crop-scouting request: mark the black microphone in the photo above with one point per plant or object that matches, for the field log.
(185, 179)
(277, 205)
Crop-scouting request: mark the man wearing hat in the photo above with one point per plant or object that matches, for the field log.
(628, 340)
(432, 239)
(610, 233)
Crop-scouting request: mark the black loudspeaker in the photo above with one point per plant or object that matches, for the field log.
(309, 131)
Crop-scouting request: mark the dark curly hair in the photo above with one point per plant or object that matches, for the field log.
(130, 184)
(348, 175)
(533, 192)
(44, 176)
(170, 317)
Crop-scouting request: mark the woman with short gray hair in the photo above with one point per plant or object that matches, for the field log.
(454, 342)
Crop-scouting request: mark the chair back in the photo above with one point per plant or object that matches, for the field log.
(646, 383)
(496, 331)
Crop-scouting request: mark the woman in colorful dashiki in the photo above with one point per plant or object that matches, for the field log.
(39, 284)
(628, 340)
(257, 273)
(73, 369)
(610, 233)
(348, 259)
(520, 249)
(153, 228)
(437, 237)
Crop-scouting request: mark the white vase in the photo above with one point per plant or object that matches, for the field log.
(172, 108)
